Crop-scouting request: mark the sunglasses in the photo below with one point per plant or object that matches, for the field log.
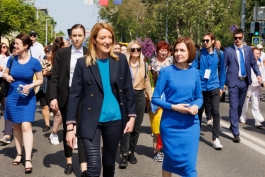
(236, 38)
(206, 40)
(32, 35)
(4, 47)
(136, 49)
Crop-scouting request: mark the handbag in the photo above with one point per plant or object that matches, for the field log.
(4, 85)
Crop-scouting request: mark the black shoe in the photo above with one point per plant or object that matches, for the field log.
(123, 163)
(84, 173)
(132, 159)
(236, 139)
(68, 169)
(46, 128)
(28, 170)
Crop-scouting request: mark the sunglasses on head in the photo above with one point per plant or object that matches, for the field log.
(236, 38)
(205, 40)
(136, 49)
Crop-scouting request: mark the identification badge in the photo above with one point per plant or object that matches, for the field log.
(207, 73)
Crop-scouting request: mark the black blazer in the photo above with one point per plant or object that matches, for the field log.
(59, 84)
(87, 82)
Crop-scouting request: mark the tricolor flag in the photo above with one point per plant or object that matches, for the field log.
(103, 2)
(117, 2)
(88, 2)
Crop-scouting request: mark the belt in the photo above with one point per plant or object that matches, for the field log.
(241, 78)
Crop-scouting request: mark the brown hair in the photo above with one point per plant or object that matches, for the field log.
(256, 48)
(57, 44)
(238, 31)
(190, 46)
(211, 35)
(25, 40)
(76, 26)
(92, 50)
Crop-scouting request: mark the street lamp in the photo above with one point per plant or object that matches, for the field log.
(243, 16)
(46, 42)
(166, 28)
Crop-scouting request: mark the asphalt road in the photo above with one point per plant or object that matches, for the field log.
(245, 159)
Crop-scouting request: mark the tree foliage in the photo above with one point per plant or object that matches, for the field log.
(19, 16)
(15, 15)
(147, 18)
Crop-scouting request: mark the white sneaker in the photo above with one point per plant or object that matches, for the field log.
(217, 144)
(258, 125)
(210, 122)
(76, 146)
(242, 121)
(54, 139)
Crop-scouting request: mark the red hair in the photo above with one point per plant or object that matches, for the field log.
(162, 45)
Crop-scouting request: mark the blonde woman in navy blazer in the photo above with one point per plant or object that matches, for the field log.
(103, 80)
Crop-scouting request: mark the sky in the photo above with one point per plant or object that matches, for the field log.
(69, 12)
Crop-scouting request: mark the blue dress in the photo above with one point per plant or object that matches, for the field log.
(179, 132)
(20, 108)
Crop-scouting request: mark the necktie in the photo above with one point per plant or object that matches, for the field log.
(242, 63)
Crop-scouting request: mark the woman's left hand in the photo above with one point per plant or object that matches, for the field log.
(26, 88)
(129, 125)
(193, 109)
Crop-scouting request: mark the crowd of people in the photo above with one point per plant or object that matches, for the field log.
(100, 92)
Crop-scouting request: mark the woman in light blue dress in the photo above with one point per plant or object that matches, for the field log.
(179, 127)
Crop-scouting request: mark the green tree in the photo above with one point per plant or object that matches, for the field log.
(15, 15)
(147, 18)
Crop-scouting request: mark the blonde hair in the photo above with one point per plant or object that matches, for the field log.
(141, 57)
(129, 49)
(92, 50)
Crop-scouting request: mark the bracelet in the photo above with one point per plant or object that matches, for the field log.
(70, 130)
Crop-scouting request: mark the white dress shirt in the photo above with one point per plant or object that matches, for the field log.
(3, 62)
(75, 54)
(254, 77)
(37, 51)
(238, 59)
(262, 56)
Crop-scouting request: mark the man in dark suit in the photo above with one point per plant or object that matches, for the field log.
(60, 84)
(239, 60)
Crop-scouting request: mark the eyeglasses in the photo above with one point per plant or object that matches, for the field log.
(32, 35)
(236, 38)
(136, 49)
(205, 40)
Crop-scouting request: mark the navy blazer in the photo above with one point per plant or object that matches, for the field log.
(87, 83)
(232, 67)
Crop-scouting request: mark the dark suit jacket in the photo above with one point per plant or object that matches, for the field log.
(232, 67)
(59, 84)
(87, 82)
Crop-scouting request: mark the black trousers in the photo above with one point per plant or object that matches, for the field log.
(111, 134)
(211, 102)
(129, 140)
(68, 152)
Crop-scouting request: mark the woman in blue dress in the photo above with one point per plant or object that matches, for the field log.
(21, 101)
(179, 127)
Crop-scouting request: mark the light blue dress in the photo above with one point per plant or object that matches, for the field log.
(179, 132)
(20, 108)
